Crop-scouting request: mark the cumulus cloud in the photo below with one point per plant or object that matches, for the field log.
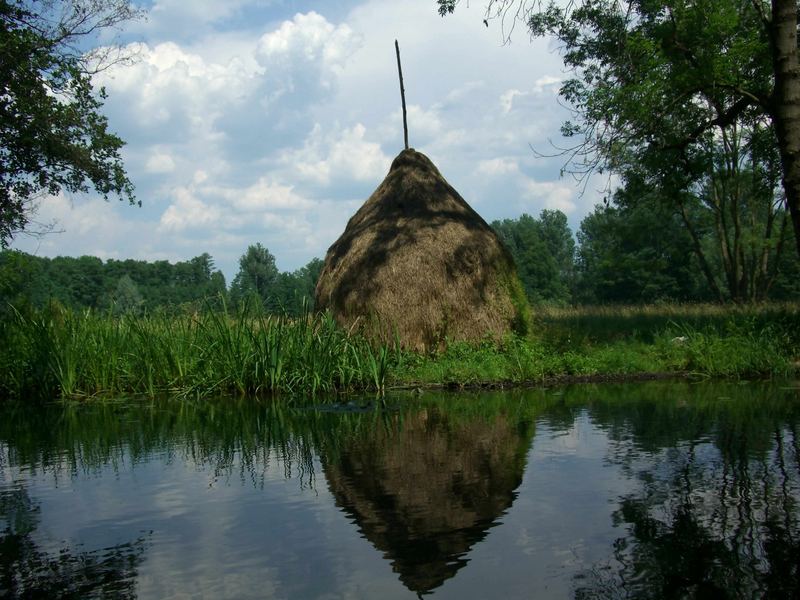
(551, 195)
(81, 226)
(246, 121)
(266, 195)
(202, 204)
(340, 154)
(304, 56)
(160, 162)
(498, 166)
(173, 95)
(507, 99)
(548, 85)
(188, 211)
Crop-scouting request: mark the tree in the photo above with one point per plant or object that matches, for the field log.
(634, 254)
(53, 137)
(19, 275)
(88, 282)
(195, 280)
(658, 80)
(126, 297)
(257, 276)
(544, 252)
(735, 217)
(293, 292)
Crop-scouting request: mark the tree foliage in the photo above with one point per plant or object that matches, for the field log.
(294, 292)
(135, 286)
(635, 254)
(543, 250)
(638, 249)
(53, 137)
(259, 283)
(257, 276)
(122, 285)
(655, 82)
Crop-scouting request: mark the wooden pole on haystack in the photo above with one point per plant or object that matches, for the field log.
(402, 93)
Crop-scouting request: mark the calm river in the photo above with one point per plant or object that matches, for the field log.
(658, 490)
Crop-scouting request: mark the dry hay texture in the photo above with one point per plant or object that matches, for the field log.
(416, 261)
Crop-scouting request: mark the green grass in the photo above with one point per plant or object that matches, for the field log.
(696, 340)
(60, 353)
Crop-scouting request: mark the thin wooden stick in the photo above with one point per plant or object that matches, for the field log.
(402, 94)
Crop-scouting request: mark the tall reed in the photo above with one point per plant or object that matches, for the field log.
(65, 353)
(57, 352)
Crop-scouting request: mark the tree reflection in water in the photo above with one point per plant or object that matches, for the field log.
(424, 483)
(28, 571)
(716, 514)
(705, 491)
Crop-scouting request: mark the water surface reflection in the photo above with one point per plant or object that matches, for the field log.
(639, 491)
(428, 486)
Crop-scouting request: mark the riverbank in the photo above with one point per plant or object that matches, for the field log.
(59, 353)
(623, 343)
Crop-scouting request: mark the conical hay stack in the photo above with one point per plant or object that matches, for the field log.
(418, 262)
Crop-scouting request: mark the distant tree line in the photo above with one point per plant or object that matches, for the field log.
(123, 286)
(626, 253)
(259, 284)
(119, 285)
(634, 253)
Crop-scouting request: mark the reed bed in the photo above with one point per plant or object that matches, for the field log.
(60, 353)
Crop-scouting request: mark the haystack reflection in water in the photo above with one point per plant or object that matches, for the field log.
(646, 491)
(427, 487)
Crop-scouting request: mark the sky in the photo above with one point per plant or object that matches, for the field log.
(272, 121)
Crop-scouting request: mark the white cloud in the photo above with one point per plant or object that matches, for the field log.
(551, 195)
(160, 162)
(338, 155)
(547, 83)
(188, 211)
(246, 121)
(173, 93)
(266, 195)
(304, 55)
(507, 99)
(498, 166)
(81, 227)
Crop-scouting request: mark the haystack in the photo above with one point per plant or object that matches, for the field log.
(418, 262)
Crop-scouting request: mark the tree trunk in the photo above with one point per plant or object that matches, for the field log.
(786, 102)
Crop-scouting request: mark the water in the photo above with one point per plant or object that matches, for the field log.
(660, 490)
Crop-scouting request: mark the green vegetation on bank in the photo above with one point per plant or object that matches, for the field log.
(608, 342)
(57, 352)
